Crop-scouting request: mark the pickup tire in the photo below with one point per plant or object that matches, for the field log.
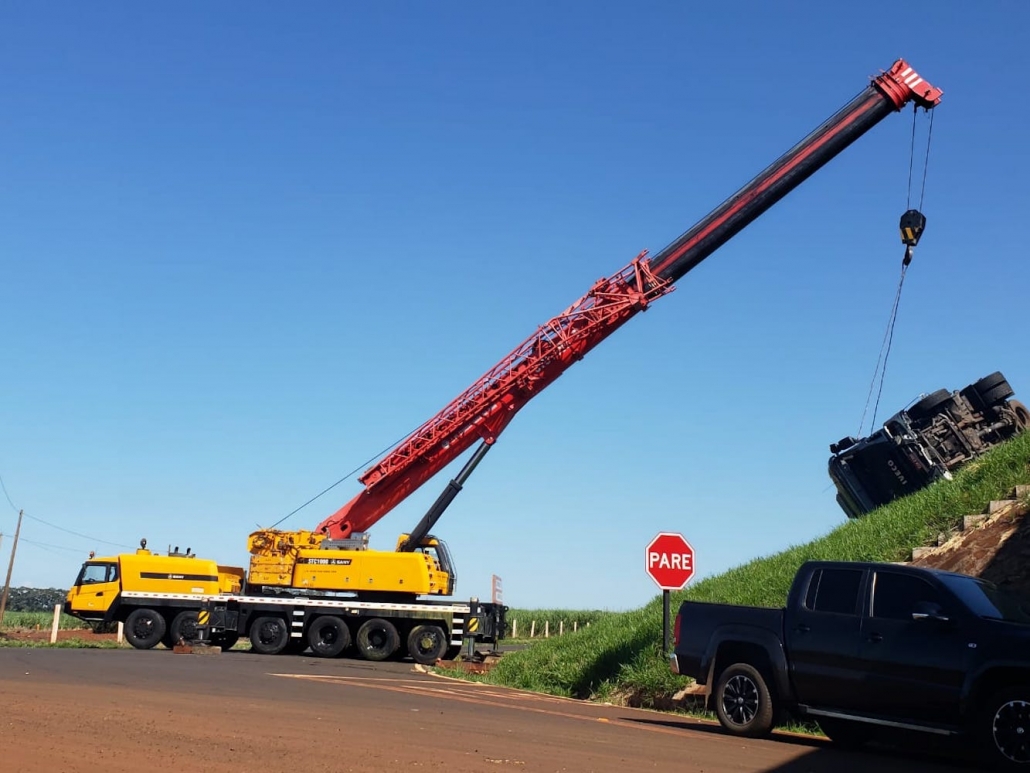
(743, 702)
(1004, 728)
(144, 628)
(846, 734)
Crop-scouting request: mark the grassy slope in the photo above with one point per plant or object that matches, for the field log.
(622, 652)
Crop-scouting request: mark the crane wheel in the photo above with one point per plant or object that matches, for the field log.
(328, 636)
(184, 626)
(427, 644)
(144, 628)
(269, 635)
(377, 639)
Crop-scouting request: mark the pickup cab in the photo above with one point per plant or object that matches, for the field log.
(862, 646)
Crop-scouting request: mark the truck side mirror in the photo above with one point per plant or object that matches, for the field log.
(928, 610)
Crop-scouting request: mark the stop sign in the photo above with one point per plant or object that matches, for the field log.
(669, 560)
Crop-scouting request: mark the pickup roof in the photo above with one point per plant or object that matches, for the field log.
(864, 645)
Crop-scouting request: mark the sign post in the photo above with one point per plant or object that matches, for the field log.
(669, 561)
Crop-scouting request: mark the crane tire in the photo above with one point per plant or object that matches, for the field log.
(996, 394)
(269, 635)
(377, 639)
(184, 626)
(144, 628)
(427, 644)
(989, 382)
(328, 636)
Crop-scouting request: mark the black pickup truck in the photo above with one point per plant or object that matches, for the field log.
(863, 646)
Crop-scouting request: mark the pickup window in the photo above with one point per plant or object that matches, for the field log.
(834, 590)
(896, 595)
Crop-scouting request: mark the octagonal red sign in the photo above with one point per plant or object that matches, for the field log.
(669, 561)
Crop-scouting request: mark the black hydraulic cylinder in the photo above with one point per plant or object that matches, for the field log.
(780, 178)
(444, 500)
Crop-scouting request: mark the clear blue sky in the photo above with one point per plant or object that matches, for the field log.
(244, 248)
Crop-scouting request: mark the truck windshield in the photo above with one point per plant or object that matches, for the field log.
(987, 600)
(91, 573)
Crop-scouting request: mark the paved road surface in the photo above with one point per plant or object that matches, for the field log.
(117, 710)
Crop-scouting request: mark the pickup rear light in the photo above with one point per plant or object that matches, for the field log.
(676, 631)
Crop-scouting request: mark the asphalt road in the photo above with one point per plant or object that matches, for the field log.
(118, 710)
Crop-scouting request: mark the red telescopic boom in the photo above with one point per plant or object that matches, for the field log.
(482, 411)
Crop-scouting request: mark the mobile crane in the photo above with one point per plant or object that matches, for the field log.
(292, 595)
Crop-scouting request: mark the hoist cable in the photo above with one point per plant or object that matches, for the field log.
(911, 159)
(885, 347)
(926, 161)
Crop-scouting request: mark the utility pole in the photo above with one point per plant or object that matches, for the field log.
(10, 568)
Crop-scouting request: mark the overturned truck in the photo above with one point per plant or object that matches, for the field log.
(923, 443)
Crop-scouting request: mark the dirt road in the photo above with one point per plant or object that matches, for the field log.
(118, 710)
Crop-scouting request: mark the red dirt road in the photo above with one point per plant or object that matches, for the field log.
(118, 710)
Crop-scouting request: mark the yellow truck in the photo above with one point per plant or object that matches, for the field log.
(156, 596)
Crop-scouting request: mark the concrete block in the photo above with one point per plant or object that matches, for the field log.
(1022, 492)
(971, 521)
(918, 553)
(997, 504)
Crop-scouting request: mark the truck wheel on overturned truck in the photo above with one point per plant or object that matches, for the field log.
(144, 628)
(1004, 729)
(269, 635)
(377, 639)
(427, 644)
(743, 702)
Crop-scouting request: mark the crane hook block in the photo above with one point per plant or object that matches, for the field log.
(912, 224)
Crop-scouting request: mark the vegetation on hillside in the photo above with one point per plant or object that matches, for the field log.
(620, 654)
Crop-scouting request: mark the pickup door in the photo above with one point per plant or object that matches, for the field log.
(823, 630)
(914, 668)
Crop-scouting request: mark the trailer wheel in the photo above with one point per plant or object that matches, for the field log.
(184, 626)
(743, 702)
(269, 635)
(929, 404)
(427, 644)
(328, 636)
(144, 628)
(377, 639)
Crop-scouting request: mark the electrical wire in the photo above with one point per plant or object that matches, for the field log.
(78, 534)
(6, 494)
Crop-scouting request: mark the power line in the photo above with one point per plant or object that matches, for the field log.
(6, 494)
(46, 545)
(77, 534)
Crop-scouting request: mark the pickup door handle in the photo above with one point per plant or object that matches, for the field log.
(875, 638)
(803, 628)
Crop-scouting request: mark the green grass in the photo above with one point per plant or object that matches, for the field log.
(30, 620)
(619, 655)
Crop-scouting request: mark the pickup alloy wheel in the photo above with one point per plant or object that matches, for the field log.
(1009, 728)
(743, 702)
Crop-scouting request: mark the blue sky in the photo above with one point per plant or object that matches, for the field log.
(244, 248)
